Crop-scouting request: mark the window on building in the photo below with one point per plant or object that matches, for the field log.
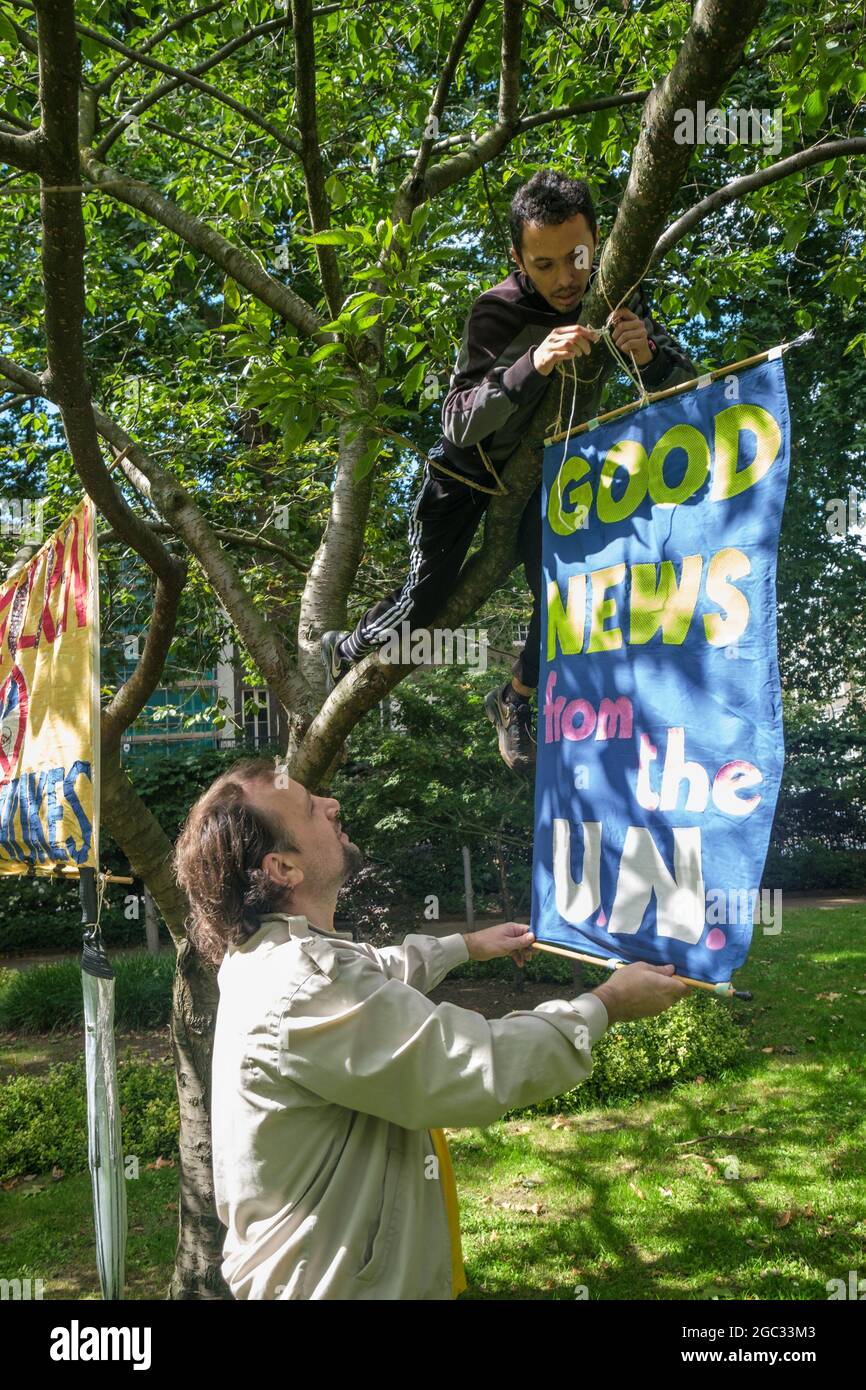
(389, 715)
(257, 722)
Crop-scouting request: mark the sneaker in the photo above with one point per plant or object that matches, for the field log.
(512, 720)
(335, 666)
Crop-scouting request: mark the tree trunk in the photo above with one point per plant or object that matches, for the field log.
(193, 1020)
(504, 888)
(323, 605)
(151, 923)
(198, 1257)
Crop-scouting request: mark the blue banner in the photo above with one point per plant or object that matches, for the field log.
(660, 742)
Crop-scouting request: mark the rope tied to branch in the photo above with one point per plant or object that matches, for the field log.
(602, 335)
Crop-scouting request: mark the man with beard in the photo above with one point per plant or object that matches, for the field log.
(332, 1070)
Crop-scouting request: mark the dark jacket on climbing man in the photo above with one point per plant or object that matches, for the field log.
(495, 388)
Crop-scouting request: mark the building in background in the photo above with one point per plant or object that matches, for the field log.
(185, 712)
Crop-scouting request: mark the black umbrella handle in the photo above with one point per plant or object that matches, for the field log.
(93, 957)
(87, 894)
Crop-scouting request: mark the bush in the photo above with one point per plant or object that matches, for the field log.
(48, 998)
(41, 915)
(697, 1038)
(43, 1119)
(814, 868)
(541, 967)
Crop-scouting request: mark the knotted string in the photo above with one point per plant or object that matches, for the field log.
(603, 335)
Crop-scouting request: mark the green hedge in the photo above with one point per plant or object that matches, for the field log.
(42, 1118)
(815, 868)
(699, 1037)
(38, 915)
(48, 998)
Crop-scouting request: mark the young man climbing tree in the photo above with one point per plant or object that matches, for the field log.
(515, 335)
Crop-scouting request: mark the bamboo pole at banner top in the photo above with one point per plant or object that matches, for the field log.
(71, 871)
(703, 380)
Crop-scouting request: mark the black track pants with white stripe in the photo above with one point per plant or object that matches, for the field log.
(444, 518)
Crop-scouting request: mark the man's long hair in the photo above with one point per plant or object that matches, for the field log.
(218, 857)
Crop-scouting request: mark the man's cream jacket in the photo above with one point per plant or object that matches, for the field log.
(330, 1068)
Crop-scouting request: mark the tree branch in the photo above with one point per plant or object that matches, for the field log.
(65, 381)
(555, 113)
(581, 108)
(269, 26)
(509, 65)
(711, 51)
(188, 522)
(238, 263)
(224, 533)
(191, 76)
(183, 79)
(185, 520)
(440, 96)
(105, 86)
(747, 183)
(128, 702)
(323, 603)
(263, 543)
(311, 154)
(21, 151)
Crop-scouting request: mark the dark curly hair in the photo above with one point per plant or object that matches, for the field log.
(548, 198)
(218, 856)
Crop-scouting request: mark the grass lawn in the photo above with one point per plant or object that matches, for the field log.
(750, 1186)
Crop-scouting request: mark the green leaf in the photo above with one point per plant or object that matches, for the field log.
(796, 230)
(296, 431)
(413, 380)
(335, 191)
(335, 237)
(327, 350)
(368, 458)
(815, 106)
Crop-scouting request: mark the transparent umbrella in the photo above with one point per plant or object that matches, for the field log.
(104, 1141)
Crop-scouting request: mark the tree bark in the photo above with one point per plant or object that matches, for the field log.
(193, 1023)
(200, 1234)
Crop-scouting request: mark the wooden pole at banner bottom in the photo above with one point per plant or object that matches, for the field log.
(70, 871)
(725, 989)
